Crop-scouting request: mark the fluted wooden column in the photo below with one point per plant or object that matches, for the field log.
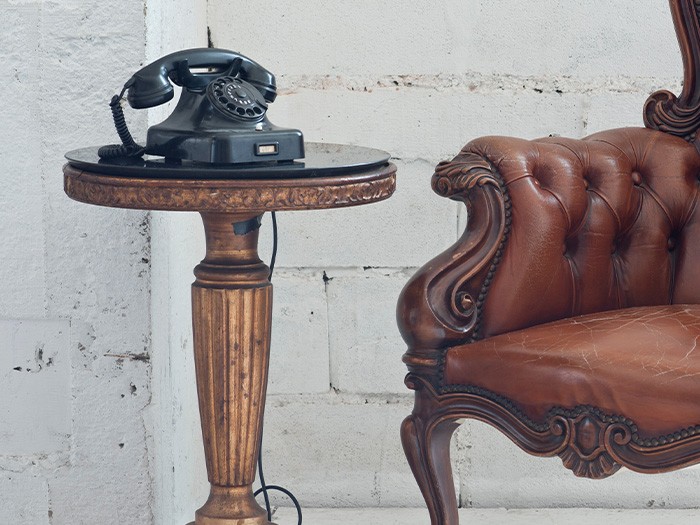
(231, 312)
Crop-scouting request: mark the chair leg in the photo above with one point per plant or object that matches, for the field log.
(427, 447)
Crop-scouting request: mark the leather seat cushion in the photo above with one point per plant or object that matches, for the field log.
(651, 353)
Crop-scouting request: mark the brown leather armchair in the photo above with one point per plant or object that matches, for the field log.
(568, 313)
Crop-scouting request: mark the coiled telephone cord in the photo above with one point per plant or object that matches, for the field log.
(128, 147)
(264, 487)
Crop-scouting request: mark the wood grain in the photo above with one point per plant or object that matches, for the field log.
(232, 319)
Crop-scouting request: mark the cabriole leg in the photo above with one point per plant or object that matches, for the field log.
(427, 448)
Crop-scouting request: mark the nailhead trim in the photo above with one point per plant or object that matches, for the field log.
(481, 299)
(572, 413)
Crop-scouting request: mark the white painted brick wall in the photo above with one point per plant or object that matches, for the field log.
(357, 236)
(495, 473)
(420, 82)
(422, 121)
(363, 339)
(339, 450)
(375, 38)
(25, 498)
(75, 326)
(300, 334)
(35, 371)
(116, 439)
(74, 286)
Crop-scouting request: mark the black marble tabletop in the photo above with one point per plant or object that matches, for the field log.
(321, 160)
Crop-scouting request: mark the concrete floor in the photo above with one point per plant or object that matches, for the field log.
(285, 516)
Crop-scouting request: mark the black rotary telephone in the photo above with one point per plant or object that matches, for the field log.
(220, 117)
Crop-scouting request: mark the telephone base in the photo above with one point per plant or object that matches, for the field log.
(231, 146)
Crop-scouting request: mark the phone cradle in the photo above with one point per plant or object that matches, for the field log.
(226, 125)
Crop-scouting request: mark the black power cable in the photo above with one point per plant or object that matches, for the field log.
(264, 487)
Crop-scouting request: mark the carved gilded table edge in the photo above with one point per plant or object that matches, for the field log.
(231, 195)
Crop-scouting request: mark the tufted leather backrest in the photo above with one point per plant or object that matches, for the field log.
(607, 222)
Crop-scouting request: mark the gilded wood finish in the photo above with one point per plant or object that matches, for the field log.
(232, 318)
(241, 195)
(231, 305)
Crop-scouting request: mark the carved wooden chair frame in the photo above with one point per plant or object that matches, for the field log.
(590, 442)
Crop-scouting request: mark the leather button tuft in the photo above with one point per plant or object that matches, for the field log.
(636, 178)
(671, 244)
(586, 184)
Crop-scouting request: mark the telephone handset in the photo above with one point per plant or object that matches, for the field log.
(221, 116)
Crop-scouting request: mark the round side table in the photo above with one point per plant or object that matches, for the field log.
(232, 293)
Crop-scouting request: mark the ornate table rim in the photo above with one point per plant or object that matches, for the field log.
(231, 195)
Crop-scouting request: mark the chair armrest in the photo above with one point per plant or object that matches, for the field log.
(557, 228)
(439, 305)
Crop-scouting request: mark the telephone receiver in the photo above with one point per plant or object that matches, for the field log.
(150, 85)
(221, 116)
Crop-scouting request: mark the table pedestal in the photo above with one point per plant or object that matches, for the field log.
(232, 314)
(232, 294)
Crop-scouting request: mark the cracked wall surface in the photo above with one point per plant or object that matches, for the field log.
(98, 414)
(76, 441)
(74, 311)
(420, 80)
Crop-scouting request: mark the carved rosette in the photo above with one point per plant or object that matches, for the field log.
(590, 442)
(589, 437)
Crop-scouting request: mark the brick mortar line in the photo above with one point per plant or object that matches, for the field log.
(345, 271)
(34, 462)
(333, 397)
(478, 82)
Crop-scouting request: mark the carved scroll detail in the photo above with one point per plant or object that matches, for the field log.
(458, 176)
(442, 302)
(664, 111)
(589, 441)
(455, 179)
(588, 436)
